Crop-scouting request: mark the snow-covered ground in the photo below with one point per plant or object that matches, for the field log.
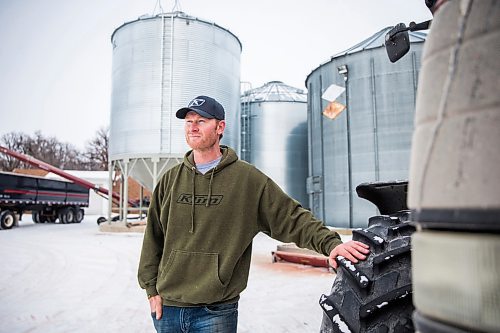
(74, 278)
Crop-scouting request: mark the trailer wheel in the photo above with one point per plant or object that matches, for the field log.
(38, 217)
(70, 215)
(62, 216)
(67, 215)
(7, 219)
(35, 215)
(374, 295)
(79, 215)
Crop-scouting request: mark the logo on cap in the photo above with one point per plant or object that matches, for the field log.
(196, 102)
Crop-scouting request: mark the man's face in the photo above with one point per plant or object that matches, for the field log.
(202, 133)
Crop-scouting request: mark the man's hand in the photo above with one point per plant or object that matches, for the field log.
(351, 250)
(156, 304)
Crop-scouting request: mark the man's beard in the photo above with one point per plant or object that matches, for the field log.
(204, 144)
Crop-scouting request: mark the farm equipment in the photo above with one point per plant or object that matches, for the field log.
(453, 195)
(47, 199)
(44, 210)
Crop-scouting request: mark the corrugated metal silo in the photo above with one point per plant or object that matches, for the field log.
(274, 135)
(159, 64)
(370, 140)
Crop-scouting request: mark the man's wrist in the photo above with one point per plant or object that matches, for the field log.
(151, 292)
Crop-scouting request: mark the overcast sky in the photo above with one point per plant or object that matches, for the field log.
(55, 55)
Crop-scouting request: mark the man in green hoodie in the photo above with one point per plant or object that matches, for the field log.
(203, 216)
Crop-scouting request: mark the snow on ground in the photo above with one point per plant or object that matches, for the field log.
(73, 278)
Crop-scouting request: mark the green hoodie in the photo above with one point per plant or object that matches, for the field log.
(197, 252)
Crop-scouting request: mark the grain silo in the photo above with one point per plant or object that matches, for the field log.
(160, 63)
(274, 135)
(370, 140)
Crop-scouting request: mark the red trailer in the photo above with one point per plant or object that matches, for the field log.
(47, 167)
(72, 214)
(48, 200)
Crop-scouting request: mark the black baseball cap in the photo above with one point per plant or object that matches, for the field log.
(204, 106)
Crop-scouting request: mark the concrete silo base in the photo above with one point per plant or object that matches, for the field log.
(136, 226)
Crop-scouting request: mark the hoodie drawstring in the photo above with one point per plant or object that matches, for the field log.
(193, 190)
(210, 187)
(192, 199)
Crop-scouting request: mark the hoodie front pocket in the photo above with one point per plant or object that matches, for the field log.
(191, 277)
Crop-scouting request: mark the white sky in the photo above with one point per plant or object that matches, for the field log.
(55, 55)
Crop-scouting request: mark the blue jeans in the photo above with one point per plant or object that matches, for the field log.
(202, 319)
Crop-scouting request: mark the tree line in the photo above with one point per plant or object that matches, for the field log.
(59, 154)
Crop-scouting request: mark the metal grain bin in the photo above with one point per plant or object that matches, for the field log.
(159, 64)
(370, 140)
(274, 135)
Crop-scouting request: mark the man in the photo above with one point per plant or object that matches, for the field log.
(203, 216)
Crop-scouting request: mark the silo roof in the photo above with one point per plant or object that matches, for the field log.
(274, 91)
(177, 14)
(378, 40)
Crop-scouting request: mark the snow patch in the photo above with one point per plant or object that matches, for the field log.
(342, 326)
(327, 307)
(104, 265)
(404, 295)
(381, 305)
(378, 239)
(349, 265)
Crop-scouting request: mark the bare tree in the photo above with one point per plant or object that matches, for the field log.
(13, 141)
(97, 150)
(47, 149)
(56, 153)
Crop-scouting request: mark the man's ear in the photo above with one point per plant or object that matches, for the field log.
(221, 126)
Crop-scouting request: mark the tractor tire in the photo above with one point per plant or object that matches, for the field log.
(374, 295)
